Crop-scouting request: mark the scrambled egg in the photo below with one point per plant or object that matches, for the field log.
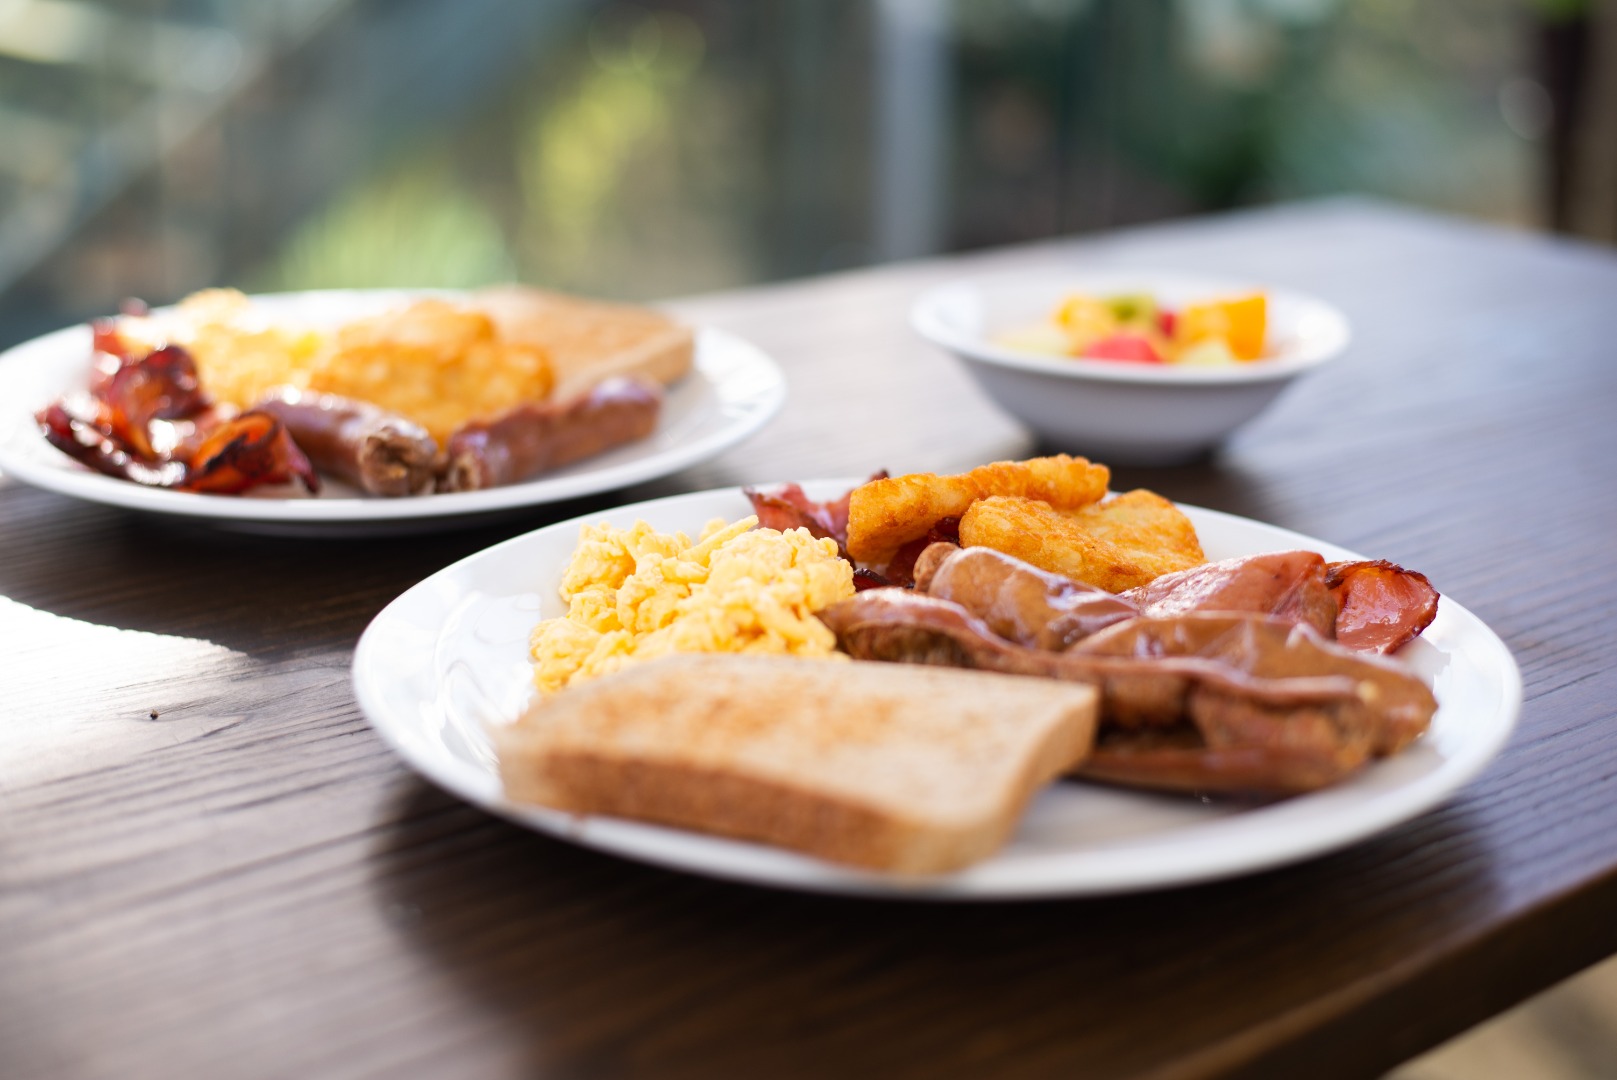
(432, 361)
(634, 594)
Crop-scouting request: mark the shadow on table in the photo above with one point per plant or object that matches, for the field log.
(135, 571)
(598, 966)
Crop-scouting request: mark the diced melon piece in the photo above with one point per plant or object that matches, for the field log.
(1210, 352)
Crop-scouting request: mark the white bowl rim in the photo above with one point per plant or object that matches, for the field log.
(1331, 340)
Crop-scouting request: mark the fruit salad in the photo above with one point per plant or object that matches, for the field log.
(1135, 328)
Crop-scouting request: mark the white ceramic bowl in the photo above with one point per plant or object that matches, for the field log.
(1119, 412)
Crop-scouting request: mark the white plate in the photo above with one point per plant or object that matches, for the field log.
(734, 390)
(449, 657)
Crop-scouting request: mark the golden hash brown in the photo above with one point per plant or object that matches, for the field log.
(1116, 545)
(435, 362)
(1144, 521)
(884, 515)
(240, 354)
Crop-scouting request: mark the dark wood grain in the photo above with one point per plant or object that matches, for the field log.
(209, 865)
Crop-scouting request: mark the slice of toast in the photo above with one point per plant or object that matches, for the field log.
(894, 767)
(588, 341)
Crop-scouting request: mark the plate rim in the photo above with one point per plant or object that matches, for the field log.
(762, 866)
(762, 405)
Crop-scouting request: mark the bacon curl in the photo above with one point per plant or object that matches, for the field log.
(111, 428)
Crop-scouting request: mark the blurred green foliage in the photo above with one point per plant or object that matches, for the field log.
(676, 146)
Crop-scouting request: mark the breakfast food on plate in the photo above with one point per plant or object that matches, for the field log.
(637, 594)
(910, 770)
(438, 362)
(1381, 606)
(1263, 674)
(1246, 675)
(1029, 606)
(1138, 328)
(146, 420)
(441, 364)
(539, 436)
(1118, 544)
(435, 394)
(359, 443)
(241, 354)
(1246, 702)
(1306, 714)
(887, 513)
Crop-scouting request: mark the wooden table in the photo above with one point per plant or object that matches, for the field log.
(209, 865)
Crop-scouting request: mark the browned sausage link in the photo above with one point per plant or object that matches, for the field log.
(378, 452)
(1019, 602)
(1180, 760)
(531, 439)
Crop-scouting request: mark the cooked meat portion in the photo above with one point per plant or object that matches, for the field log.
(1018, 601)
(787, 506)
(379, 452)
(1389, 707)
(1235, 682)
(533, 438)
(1286, 584)
(1383, 606)
(1368, 606)
(929, 561)
(1179, 759)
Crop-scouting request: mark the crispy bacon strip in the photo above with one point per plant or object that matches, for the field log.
(531, 439)
(162, 385)
(1381, 606)
(900, 569)
(111, 430)
(1368, 606)
(84, 442)
(245, 452)
(868, 579)
(787, 506)
(1286, 584)
(109, 352)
